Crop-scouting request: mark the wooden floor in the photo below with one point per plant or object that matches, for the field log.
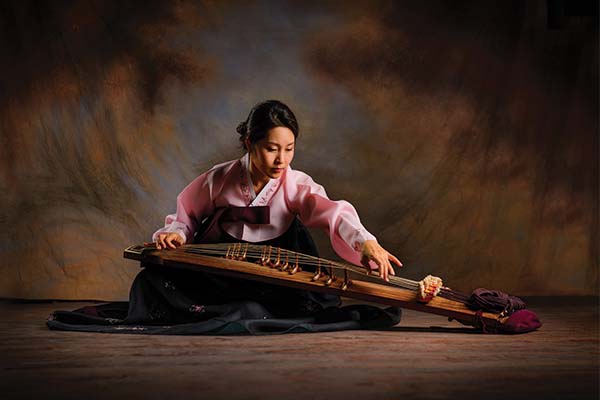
(411, 361)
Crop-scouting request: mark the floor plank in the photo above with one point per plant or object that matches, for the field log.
(423, 357)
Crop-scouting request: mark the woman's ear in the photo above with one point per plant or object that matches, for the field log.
(248, 144)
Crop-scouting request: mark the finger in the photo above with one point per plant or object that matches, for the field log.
(169, 241)
(164, 242)
(163, 245)
(379, 269)
(177, 241)
(383, 270)
(365, 262)
(395, 260)
(389, 270)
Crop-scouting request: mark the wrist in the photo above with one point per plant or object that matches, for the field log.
(366, 244)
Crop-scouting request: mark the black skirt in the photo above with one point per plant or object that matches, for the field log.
(165, 300)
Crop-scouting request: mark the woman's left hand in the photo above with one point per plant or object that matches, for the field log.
(372, 251)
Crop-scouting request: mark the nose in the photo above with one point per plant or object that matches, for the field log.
(279, 158)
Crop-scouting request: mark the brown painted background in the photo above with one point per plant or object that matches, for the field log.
(464, 132)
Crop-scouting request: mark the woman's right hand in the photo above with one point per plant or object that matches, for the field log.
(168, 240)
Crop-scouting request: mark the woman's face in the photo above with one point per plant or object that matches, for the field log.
(271, 155)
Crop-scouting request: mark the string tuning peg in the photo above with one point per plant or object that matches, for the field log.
(318, 272)
(285, 265)
(347, 281)
(268, 261)
(296, 267)
(263, 256)
(237, 247)
(245, 252)
(332, 278)
(278, 261)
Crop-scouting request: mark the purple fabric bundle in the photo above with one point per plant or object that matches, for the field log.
(494, 301)
(520, 320)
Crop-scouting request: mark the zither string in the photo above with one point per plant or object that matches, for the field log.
(273, 253)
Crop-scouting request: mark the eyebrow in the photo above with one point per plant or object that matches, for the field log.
(277, 144)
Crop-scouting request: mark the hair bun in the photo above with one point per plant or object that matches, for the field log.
(242, 128)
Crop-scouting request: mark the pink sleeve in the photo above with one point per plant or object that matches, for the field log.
(338, 218)
(194, 204)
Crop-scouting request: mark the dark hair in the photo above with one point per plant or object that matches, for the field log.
(264, 117)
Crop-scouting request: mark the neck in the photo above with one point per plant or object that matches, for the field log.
(259, 180)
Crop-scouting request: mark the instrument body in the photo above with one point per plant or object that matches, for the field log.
(361, 289)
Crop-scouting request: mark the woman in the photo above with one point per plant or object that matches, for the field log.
(269, 135)
(259, 199)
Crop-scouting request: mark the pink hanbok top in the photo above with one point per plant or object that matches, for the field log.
(293, 194)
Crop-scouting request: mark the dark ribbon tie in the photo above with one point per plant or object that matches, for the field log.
(211, 231)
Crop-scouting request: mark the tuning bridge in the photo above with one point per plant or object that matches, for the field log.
(347, 281)
(277, 263)
(234, 252)
(268, 261)
(245, 252)
(237, 249)
(332, 278)
(285, 266)
(318, 272)
(296, 267)
(265, 256)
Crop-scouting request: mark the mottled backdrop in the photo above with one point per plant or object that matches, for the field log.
(464, 132)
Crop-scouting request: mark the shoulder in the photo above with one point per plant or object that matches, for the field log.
(296, 177)
(299, 183)
(215, 176)
(222, 169)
